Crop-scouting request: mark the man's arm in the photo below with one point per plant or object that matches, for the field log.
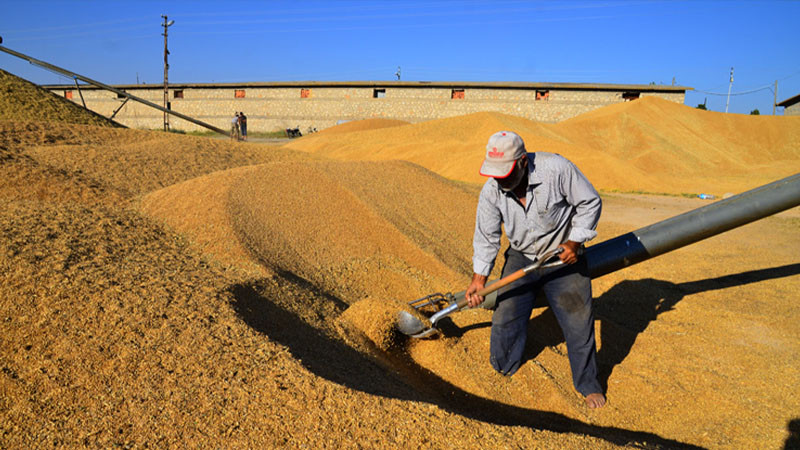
(580, 193)
(485, 241)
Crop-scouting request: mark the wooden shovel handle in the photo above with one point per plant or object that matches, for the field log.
(511, 278)
(462, 302)
(501, 282)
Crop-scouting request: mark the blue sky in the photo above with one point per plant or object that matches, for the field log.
(694, 43)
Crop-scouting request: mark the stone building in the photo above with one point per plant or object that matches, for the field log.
(791, 106)
(280, 105)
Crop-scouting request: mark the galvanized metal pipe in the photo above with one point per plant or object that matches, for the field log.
(693, 226)
(76, 77)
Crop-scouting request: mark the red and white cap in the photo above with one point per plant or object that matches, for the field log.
(502, 151)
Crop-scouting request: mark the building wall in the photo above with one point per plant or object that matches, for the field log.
(277, 108)
(793, 110)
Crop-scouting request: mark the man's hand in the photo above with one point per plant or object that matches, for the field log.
(478, 282)
(570, 253)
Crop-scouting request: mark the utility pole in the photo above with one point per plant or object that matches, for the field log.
(775, 101)
(397, 74)
(166, 69)
(729, 92)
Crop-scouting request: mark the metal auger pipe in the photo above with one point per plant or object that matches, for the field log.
(119, 92)
(693, 226)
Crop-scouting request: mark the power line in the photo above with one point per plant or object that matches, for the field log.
(347, 20)
(735, 93)
(80, 26)
(758, 89)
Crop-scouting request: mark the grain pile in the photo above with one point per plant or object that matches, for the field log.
(362, 125)
(118, 333)
(650, 145)
(22, 100)
(171, 291)
(345, 226)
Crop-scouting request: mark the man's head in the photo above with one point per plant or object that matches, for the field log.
(506, 159)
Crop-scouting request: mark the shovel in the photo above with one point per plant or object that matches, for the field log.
(412, 326)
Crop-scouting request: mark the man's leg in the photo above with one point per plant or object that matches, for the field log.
(510, 318)
(569, 291)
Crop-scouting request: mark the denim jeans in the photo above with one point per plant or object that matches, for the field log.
(569, 292)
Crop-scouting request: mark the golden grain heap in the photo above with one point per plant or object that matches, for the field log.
(162, 290)
(651, 145)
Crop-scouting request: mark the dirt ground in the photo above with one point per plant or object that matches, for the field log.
(169, 291)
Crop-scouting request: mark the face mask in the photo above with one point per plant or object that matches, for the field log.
(512, 182)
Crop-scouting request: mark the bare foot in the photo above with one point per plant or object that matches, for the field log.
(596, 400)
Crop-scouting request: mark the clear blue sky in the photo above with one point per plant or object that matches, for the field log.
(694, 43)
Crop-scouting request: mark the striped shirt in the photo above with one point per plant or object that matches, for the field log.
(560, 205)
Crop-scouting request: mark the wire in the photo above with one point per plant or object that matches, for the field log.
(768, 86)
(735, 93)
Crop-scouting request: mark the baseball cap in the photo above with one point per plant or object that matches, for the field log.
(502, 151)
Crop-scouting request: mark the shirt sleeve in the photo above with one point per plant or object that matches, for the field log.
(486, 241)
(580, 193)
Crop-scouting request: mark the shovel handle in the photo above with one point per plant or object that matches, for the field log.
(513, 277)
(502, 282)
(462, 302)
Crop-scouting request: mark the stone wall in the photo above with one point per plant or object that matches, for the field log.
(275, 108)
(793, 110)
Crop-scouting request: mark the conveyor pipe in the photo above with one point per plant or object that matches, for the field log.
(76, 77)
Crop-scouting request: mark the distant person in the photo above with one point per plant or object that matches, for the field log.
(243, 125)
(544, 202)
(235, 127)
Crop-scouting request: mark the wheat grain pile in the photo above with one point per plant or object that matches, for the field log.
(361, 125)
(649, 145)
(163, 291)
(21, 100)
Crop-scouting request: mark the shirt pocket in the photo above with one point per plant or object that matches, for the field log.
(547, 208)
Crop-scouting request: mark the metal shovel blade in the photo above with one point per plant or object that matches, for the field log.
(412, 326)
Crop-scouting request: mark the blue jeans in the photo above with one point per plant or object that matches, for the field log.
(569, 291)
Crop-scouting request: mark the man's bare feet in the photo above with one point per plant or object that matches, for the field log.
(596, 400)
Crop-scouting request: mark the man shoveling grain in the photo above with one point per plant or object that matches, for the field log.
(545, 202)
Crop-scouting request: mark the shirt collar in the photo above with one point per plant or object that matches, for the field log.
(534, 176)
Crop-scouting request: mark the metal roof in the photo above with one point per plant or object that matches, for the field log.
(790, 101)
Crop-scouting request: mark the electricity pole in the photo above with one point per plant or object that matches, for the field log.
(729, 92)
(166, 68)
(775, 101)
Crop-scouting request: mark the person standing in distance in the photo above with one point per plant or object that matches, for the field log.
(544, 202)
(243, 125)
(235, 127)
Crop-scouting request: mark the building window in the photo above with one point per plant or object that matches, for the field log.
(68, 95)
(177, 94)
(378, 93)
(457, 94)
(305, 93)
(238, 93)
(121, 95)
(543, 95)
(628, 96)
